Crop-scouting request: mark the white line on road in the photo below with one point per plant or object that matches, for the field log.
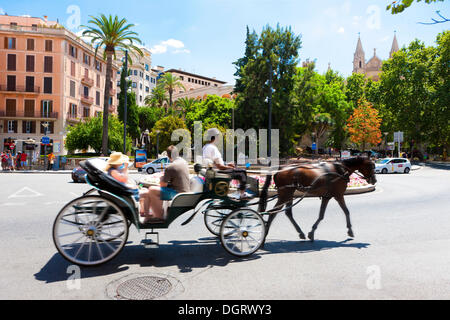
(26, 192)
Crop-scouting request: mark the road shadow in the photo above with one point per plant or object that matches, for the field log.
(185, 255)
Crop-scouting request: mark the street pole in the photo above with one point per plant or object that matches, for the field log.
(125, 106)
(269, 135)
(157, 144)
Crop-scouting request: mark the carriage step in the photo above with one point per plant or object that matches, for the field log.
(150, 243)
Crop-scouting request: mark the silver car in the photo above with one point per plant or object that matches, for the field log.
(156, 166)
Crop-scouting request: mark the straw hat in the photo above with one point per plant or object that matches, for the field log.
(117, 158)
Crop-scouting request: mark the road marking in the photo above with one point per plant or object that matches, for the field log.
(12, 204)
(26, 192)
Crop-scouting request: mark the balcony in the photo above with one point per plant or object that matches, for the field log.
(87, 99)
(20, 89)
(28, 115)
(87, 81)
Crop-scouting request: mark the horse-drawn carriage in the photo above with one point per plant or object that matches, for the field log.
(93, 229)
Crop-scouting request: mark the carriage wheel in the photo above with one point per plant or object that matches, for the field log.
(90, 231)
(213, 218)
(242, 232)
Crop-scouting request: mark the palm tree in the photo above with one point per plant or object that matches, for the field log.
(171, 83)
(185, 104)
(157, 97)
(111, 34)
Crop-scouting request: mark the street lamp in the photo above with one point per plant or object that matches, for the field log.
(157, 143)
(45, 125)
(125, 105)
(269, 134)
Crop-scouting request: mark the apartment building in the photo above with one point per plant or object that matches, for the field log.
(143, 77)
(49, 80)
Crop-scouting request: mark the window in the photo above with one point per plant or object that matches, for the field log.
(48, 85)
(141, 74)
(135, 72)
(182, 78)
(86, 91)
(29, 84)
(30, 44)
(48, 64)
(147, 89)
(12, 126)
(360, 64)
(11, 83)
(147, 67)
(86, 59)
(11, 62)
(49, 45)
(147, 77)
(134, 85)
(140, 98)
(10, 43)
(10, 107)
(13, 25)
(98, 65)
(30, 64)
(72, 69)
(189, 79)
(140, 86)
(28, 127)
(98, 81)
(97, 98)
(72, 88)
(34, 27)
(86, 112)
(73, 51)
(72, 110)
(46, 108)
(29, 108)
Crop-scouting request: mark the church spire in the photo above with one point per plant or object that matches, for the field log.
(359, 60)
(359, 48)
(394, 45)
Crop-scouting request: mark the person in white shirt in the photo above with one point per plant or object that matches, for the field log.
(212, 156)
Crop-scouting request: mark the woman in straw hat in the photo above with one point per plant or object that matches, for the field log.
(117, 166)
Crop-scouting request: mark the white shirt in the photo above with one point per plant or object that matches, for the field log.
(211, 155)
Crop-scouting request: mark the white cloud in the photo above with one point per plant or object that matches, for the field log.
(2, 11)
(164, 46)
(341, 30)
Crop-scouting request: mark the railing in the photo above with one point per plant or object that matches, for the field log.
(88, 81)
(22, 89)
(87, 99)
(23, 114)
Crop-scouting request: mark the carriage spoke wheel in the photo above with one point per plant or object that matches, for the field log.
(90, 231)
(213, 219)
(242, 232)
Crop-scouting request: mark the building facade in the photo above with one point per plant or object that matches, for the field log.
(49, 79)
(143, 77)
(372, 68)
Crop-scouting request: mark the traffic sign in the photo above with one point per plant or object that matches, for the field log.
(314, 146)
(398, 136)
(45, 140)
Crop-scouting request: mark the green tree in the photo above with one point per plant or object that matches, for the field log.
(157, 97)
(251, 45)
(111, 34)
(88, 134)
(148, 116)
(214, 111)
(354, 89)
(400, 6)
(165, 127)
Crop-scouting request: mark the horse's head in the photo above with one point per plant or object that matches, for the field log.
(365, 166)
(367, 169)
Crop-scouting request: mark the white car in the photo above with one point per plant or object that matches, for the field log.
(156, 166)
(391, 165)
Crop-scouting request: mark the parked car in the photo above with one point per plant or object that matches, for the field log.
(78, 174)
(156, 166)
(391, 165)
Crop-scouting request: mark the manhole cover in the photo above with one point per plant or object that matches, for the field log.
(144, 288)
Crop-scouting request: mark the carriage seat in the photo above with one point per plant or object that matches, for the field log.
(98, 177)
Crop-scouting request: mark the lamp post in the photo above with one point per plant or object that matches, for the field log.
(45, 125)
(269, 133)
(157, 143)
(125, 106)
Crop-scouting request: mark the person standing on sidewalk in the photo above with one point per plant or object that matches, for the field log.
(51, 160)
(23, 160)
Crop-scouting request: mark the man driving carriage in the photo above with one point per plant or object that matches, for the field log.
(212, 157)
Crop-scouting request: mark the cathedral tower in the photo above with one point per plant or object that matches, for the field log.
(359, 60)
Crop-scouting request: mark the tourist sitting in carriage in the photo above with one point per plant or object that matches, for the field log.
(175, 180)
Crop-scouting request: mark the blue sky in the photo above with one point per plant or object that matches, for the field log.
(206, 36)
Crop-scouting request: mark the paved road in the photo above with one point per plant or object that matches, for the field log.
(401, 248)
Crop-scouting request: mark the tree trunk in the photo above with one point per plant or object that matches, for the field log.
(105, 150)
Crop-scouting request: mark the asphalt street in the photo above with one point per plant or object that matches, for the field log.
(400, 249)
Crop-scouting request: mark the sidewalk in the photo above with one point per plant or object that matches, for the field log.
(50, 171)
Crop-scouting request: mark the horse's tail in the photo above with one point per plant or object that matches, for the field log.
(263, 195)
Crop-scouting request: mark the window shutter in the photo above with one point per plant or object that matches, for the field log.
(48, 64)
(11, 62)
(30, 64)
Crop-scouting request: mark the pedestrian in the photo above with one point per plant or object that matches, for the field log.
(10, 160)
(17, 162)
(51, 160)
(63, 163)
(23, 160)
(4, 160)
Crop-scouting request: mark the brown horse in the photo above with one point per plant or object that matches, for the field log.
(328, 180)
